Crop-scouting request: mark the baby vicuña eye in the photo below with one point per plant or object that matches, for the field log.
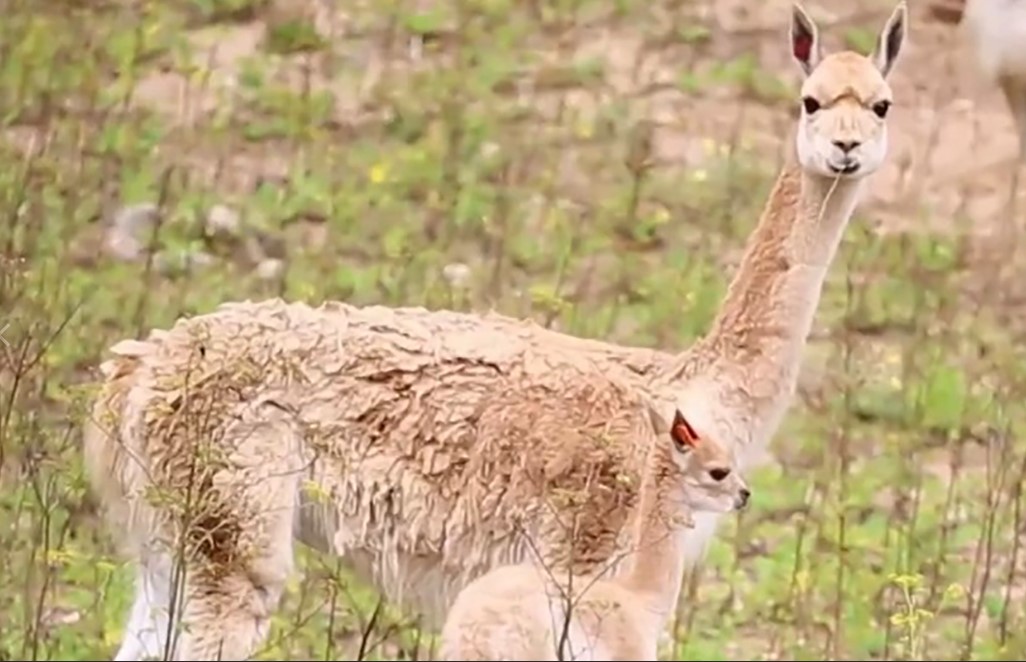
(881, 108)
(719, 474)
(810, 105)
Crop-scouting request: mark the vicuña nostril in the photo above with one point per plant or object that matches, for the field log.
(846, 145)
(744, 494)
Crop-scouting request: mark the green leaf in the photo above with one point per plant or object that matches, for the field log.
(944, 397)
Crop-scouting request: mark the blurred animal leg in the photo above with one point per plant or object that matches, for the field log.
(235, 581)
(147, 628)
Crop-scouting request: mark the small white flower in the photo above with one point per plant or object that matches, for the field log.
(127, 235)
(456, 274)
(122, 245)
(270, 269)
(134, 218)
(222, 219)
(198, 259)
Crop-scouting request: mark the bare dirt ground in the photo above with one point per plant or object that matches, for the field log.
(944, 111)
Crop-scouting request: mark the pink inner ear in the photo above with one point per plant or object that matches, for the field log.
(801, 45)
(683, 432)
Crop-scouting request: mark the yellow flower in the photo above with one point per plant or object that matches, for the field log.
(315, 491)
(378, 173)
(112, 637)
(585, 129)
(59, 556)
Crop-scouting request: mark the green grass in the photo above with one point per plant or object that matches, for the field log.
(497, 135)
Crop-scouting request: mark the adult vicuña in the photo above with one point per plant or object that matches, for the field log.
(522, 612)
(397, 419)
(997, 34)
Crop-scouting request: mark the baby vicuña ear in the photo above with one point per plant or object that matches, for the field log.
(888, 44)
(681, 431)
(659, 422)
(805, 46)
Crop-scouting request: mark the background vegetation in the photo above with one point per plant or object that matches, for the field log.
(592, 164)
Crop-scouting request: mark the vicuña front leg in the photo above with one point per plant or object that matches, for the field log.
(225, 617)
(240, 547)
(148, 624)
(1014, 89)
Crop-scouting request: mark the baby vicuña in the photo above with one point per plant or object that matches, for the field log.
(526, 612)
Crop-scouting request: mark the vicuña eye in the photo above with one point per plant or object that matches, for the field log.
(881, 108)
(718, 474)
(810, 105)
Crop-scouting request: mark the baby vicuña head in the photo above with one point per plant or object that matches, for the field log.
(706, 478)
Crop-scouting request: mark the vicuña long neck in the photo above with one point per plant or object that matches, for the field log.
(656, 564)
(756, 340)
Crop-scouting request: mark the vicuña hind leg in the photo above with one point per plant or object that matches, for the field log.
(242, 556)
(148, 621)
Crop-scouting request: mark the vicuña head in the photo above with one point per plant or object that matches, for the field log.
(706, 477)
(845, 99)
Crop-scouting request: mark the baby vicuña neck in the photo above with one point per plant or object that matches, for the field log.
(655, 566)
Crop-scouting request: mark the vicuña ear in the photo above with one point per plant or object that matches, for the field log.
(888, 44)
(684, 436)
(659, 422)
(805, 46)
